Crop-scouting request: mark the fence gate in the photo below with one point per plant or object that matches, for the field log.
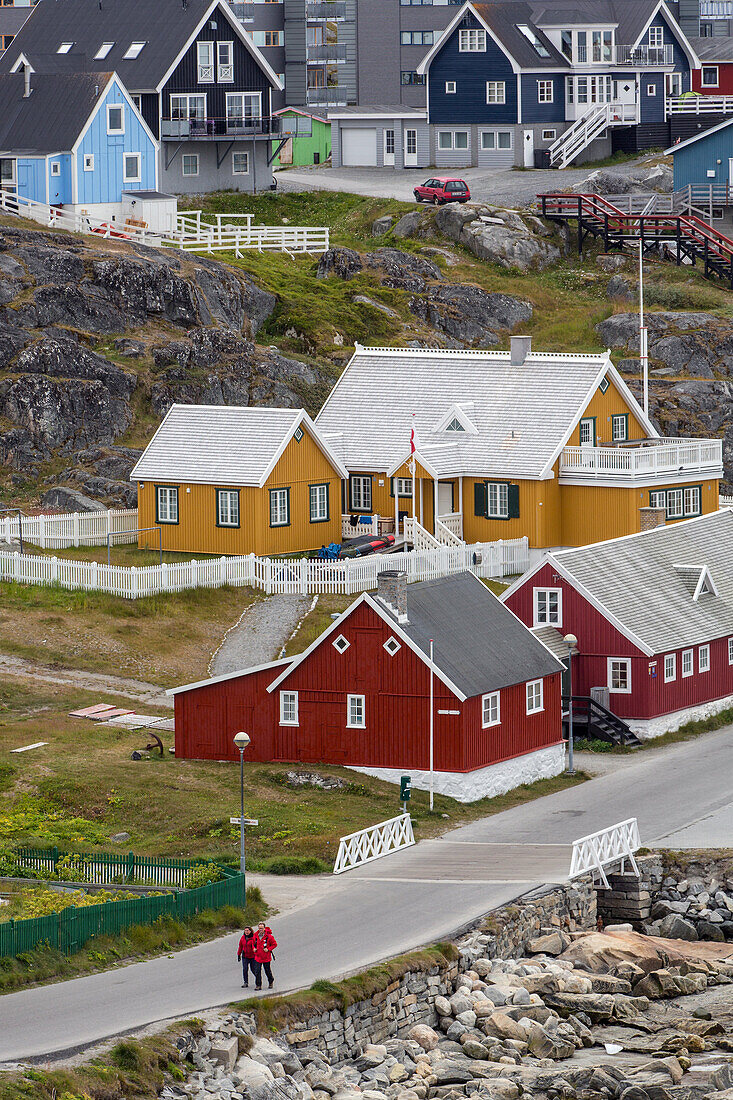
(374, 842)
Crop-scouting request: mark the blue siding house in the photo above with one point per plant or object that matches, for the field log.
(706, 159)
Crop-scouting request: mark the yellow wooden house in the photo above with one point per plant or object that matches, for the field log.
(229, 480)
(508, 444)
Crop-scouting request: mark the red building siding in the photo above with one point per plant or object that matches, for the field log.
(206, 718)
(725, 81)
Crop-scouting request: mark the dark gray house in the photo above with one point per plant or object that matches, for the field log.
(198, 80)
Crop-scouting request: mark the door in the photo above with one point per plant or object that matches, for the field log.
(624, 93)
(445, 498)
(674, 84)
(389, 148)
(358, 147)
(588, 432)
(410, 148)
(529, 148)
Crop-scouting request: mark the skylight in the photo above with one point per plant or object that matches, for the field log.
(134, 50)
(538, 45)
(65, 47)
(103, 51)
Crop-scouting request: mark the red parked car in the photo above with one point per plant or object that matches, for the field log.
(442, 189)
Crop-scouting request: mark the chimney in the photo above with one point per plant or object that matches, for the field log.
(520, 348)
(392, 592)
(26, 80)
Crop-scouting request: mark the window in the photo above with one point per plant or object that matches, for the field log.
(224, 62)
(692, 500)
(298, 434)
(65, 47)
(453, 139)
(138, 101)
(673, 83)
(534, 697)
(166, 501)
(651, 90)
(89, 162)
(619, 675)
(536, 42)
(402, 487)
(319, 502)
(279, 507)
(496, 139)
(603, 385)
(268, 38)
(288, 708)
(408, 78)
(416, 38)
(240, 164)
(360, 489)
(227, 508)
(355, 711)
(55, 168)
(548, 607)
(545, 91)
(188, 108)
(496, 91)
(115, 118)
(133, 51)
(703, 658)
(619, 427)
(675, 504)
(341, 644)
(490, 709)
(658, 499)
(472, 40)
(450, 87)
(190, 164)
(243, 108)
(498, 499)
(205, 62)
(670, 667)
(103, 51)
(730, 651)
(131, 170)
(656, 37)
(392, 646)
(709, 77)
(549, 135)
(687, 661)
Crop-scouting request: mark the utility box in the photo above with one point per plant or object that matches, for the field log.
(154, 208)
(405, 788)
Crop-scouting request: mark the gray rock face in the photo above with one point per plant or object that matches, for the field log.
(470, 315)
(499, 236)
(402, 270)
(408, 224)
(382, 225)
(343, 262)
(70, 500)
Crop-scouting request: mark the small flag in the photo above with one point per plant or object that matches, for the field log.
(412, 441)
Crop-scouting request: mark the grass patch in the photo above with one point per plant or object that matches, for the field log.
(688, 732)
(141, 941)
(315, 622)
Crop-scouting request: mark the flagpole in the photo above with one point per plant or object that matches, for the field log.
(643, 353)
(432, 723)
(412, 465)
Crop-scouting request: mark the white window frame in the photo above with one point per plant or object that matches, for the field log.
(675, 495)
(471, 40)
(225, 69)
(619, 419)
(187, 157)
(496, 147)
(103, 51)
(651, 90)
(55, 167)
(321, 514)
(535, 696)
(166, 504)
(65, 47)
(452, 135)
(656, 38)
(703, 658)
(545, 91)
(730, 651)
(234, 170)
(670, 667)
(289, 704)
(277, 496)
(496, 91)
(450, 87)
(133, 51)
(707, 83)
(139, 175)
(89, 162)
(549, 135)
(116, 107)
(654, 499)
(403, 486)
(491, 709)
(228, 516)
(498, 508)
(547, 593)
(392, 646)
(693, 490)
(341, 644)
(356, 701)
(205, 70)
(181, 110)
(687, 664)
(358, 501)
(610, 662)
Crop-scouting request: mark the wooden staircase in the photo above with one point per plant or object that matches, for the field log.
(595, 722)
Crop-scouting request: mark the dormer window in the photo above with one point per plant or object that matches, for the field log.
(133, 51)
(103, 51)
(534, 40)
(455, 425)
(65, 47)
(457, 419)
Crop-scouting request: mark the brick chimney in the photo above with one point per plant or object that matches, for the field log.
(519, 348)
(392, 592)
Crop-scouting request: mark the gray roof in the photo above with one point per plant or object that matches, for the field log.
(713, 49)
(220, 445)
(553, 639)
(393, 110)
(522, 415)
(51, 118)
(503, 19)
(12, 19)
(478, 644)
(638, 580)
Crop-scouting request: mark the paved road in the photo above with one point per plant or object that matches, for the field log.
(681, 798)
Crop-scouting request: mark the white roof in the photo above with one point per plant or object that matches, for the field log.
(521, 416)
(223, 444)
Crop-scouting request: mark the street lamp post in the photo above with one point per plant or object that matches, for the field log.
(572, 643)
(241, 740)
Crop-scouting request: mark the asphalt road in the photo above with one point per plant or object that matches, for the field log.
(681, 797)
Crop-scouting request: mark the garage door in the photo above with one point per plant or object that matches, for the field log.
(358, 147)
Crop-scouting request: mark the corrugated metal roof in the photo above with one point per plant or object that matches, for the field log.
(712, 49)
(215, 444)
(553, 639)
(52, 117)
(503, 19)
(522, 414)
(638, 580)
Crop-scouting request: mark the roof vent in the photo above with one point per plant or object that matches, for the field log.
(520, 349)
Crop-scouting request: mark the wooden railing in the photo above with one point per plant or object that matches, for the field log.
(446, 530)
(419, 536)
(367, 525)
(199, 232)
(691, 104)
(374, 842)
(659, 457)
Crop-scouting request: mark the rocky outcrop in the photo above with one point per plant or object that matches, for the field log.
(655, 177)
(500, 236)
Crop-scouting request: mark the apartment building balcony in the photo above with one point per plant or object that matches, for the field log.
(716, 9)
(326, 97)
(643, 462)
(214, 129)
(325, 9)
(332, 52)
(645, 55)
(243, 12)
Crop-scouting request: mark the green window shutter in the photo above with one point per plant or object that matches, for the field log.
(480, 499)
(391, 486)
(513, 501)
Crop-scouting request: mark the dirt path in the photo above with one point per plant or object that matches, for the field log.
(138, 690)
(260, 634)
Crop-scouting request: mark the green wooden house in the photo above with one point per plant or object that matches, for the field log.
(307, 138)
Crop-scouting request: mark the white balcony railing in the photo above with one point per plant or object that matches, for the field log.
(692, 104)
(664, 456)
(645, 55)
(716, 9)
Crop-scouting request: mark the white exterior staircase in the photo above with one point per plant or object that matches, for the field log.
(593, 124)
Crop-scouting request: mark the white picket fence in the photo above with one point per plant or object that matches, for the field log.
(71, 528)
(297, 576)
(597, 851)
(374, 842)
(198, 232)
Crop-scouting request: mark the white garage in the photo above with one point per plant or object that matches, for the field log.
(358, 146)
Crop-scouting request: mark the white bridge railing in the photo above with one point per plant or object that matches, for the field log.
(374, 842)
(597, 851)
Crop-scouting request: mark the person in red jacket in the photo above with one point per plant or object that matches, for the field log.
(264, 944)
(246, 953)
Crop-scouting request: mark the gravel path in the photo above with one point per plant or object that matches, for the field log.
(260, 634)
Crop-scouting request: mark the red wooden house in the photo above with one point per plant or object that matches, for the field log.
(360, 694)
(653, 615)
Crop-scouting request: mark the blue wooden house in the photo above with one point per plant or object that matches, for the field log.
(529, 84)
(73, 139)
(706, 159)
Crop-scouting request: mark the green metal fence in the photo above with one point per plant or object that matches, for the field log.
(111, 866)
(70, 929)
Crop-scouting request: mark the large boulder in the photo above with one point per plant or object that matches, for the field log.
(70, 500)
(468, 314)
(497, 235)
(402, 270)
(344, 262)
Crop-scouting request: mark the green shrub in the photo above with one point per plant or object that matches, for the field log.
(292, 865)
(73, 868)
(201, 874)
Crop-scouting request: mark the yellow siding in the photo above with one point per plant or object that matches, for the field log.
(300, 465)
(602, 406)
(538, 514)
(594, 513)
